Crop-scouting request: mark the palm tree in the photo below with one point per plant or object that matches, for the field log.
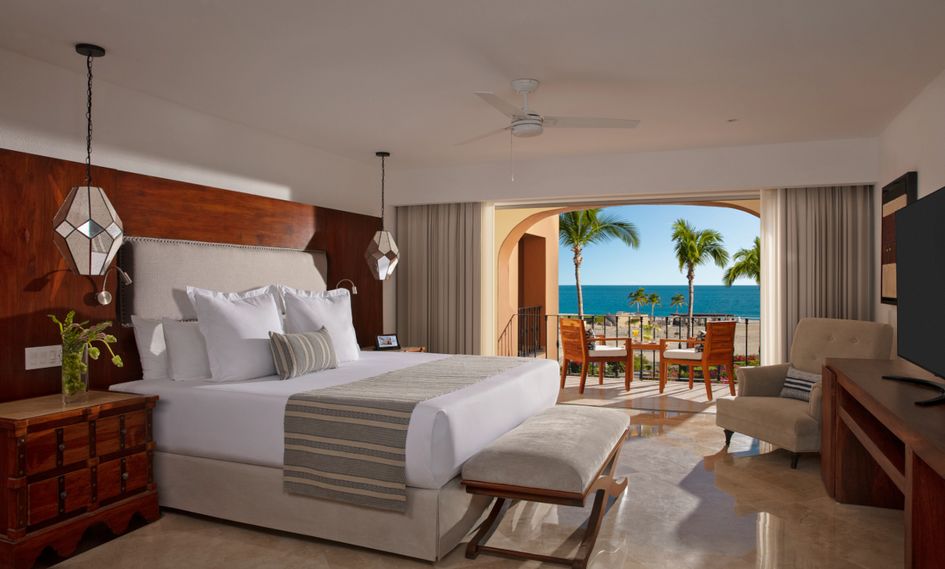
(694, 247)
(746, 263)
(677, 301)
(637, 297)
(653, 300)
(578, 229)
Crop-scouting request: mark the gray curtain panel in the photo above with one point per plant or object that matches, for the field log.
(438, 277)
(827, 254)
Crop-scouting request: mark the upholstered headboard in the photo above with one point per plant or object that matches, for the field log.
(162, 269)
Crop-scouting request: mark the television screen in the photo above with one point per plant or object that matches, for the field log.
(920, 275)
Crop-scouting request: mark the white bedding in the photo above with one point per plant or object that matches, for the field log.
(243, 421)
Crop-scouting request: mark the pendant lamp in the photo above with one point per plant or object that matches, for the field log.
(381, 253)
(88, 231)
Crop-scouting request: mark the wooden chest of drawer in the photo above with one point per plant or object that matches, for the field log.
(67, 467)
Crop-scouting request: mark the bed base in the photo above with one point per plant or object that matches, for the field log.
(435, 522)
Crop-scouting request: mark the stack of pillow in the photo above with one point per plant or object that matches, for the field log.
(240, 336)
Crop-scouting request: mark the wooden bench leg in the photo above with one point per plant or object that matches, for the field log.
(487, 528)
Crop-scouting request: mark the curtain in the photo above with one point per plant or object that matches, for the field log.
(817, 256)
(439, 279)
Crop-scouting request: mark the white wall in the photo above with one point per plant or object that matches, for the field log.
(648, 173)
(42, 111)
(914, 140)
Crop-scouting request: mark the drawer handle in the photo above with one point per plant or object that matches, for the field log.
(62, 447)
(63, 494)
(121, 432)
(124, 476)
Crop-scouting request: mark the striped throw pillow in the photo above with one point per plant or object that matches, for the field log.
(798, 384)
(298, 354)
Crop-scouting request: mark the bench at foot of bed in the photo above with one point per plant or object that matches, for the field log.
(561, 456)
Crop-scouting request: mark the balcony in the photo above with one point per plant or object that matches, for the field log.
(530, 333)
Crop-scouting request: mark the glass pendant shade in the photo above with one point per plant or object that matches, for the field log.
(88, 231)
(381, 255)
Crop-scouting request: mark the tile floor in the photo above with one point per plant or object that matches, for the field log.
(690, 504)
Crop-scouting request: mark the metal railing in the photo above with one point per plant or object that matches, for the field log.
(528, 333)
(525, 334)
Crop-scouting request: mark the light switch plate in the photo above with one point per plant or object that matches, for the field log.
(41, 357)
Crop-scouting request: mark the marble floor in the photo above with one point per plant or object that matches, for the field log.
(690, 504)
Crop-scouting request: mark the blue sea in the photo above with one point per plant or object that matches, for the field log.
(743, 301)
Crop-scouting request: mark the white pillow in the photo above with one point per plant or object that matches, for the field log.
(186, 351)
(236, 328)
(149, 336)
(307, 311)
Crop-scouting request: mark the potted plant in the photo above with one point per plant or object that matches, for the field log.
(77, 340)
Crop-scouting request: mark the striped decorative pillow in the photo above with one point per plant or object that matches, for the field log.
(798, 384)
(298, 354)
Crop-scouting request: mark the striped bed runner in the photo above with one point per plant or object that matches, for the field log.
(348, 442)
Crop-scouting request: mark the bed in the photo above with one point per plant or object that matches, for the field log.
(220, 445)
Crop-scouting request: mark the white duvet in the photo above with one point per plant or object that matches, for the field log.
(243, 421)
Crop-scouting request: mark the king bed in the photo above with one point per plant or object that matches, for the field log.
(220, 446)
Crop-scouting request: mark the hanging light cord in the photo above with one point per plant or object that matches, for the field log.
(88, 120)
(382, 191)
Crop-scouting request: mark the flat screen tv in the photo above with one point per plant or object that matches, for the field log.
(920, 275)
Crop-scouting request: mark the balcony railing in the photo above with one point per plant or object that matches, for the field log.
(528, 333)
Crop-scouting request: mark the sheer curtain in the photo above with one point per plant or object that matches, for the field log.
(439, 277)
(817, 260)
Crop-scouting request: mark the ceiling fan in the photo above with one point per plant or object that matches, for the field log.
(526, 122)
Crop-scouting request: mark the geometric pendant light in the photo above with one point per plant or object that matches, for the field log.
(88, 231)
(382, 253)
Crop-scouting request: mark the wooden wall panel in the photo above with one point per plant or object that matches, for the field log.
(35, 281)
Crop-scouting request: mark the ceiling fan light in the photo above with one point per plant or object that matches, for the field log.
(526, 129)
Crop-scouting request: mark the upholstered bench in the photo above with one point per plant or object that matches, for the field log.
(560, 456)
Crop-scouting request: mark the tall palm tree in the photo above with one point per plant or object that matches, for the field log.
(694, 247)
(677, 301)
(637, 297)
(746, 263)
(578, 229)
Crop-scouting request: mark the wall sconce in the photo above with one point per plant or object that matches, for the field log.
(104, 297)
(354, 289)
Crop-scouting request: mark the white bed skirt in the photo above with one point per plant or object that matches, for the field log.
(435, 522)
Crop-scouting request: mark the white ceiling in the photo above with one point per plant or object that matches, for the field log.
(354, 76)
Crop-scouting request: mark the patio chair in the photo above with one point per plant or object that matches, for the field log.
(718, 350)
(574, 346)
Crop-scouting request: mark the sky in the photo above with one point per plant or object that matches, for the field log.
(654, 263)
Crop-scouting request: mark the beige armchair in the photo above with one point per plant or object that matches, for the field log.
(759, 411)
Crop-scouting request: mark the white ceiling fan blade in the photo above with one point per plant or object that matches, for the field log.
(588, 122)
(499, 104)
(481, 136)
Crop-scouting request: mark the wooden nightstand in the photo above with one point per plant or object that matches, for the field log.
(67, 467)
(403, 349)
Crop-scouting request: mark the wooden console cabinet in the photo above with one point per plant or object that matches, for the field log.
(67, 467)
(879, 449)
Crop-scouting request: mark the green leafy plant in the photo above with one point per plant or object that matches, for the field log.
(77, 337)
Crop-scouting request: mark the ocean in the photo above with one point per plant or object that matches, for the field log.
(743, 301)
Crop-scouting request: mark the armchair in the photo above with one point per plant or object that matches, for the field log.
(759, 411)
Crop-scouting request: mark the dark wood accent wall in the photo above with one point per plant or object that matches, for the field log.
(35, 282)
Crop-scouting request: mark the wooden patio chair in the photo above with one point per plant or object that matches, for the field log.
(718, 350)
(574, 349)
